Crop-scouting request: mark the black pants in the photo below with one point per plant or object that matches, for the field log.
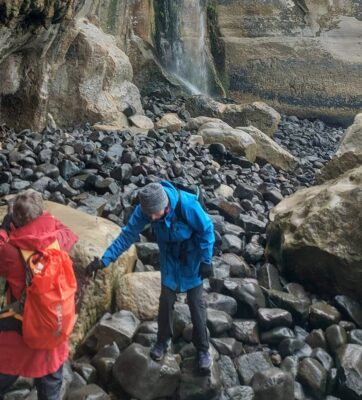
(48, 386)
(198, 316)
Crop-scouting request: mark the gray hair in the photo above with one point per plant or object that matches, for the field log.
(26, 207)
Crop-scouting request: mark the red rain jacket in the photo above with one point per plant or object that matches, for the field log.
(16, 358)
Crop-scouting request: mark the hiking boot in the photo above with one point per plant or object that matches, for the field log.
(205, 361)
(158, 351)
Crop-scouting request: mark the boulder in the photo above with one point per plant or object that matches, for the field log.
(144, 378)
(257, 114)
(171, 122)
(349, 365)
(301, 57)
(235, 140)
(315, 236)
(139, 292)
(268, 151)
(273, 384)
(348, 155)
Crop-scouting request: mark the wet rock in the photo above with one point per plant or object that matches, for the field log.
(349, 366)
(322, 315)
(350, 307)
(87, 371)
(148, 253)
(336, 336)
(323, 357)
(273, 384)
(313, 376)
(229, 375)
(249, 296)
(290, 364)
(295, 306)
(194, 386)
(68, 169)
(276, 335)
(221, 302)
(144, 378)
(104, 360)
(317, 338)
(227, 346)
(269, 318)
(294, 347)
(268, 277)
(355, 336)
(181, 318)
(246, 331)
(240, 392)
(119, 328)
(232, 244)
(218, 322)
(238, 266)
(89, 392)
(248, 365)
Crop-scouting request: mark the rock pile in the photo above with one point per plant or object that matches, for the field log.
(270, 338)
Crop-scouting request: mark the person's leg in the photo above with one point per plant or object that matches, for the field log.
(199, 334)
(198, 317)
(6, 381)
(165, 311)
(48, 386)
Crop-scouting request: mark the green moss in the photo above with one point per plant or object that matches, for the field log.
(112, 16)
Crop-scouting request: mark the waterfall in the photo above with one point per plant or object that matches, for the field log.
(180, 40)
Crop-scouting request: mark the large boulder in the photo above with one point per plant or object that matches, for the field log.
(349, 365)
(302, 57)
(268, 151)
(235, 140)
(139, 292)
(315, 235)
(144, 378)
(349, 153)
(68, 74)
(257, 114)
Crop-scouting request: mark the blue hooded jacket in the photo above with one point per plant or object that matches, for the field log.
(183, 246)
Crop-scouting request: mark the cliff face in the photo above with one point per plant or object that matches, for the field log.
(303, 57)
(57, 65)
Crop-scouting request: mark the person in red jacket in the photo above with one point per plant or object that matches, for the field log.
(29, 227)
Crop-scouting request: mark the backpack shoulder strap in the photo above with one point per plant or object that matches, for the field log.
(178, 209)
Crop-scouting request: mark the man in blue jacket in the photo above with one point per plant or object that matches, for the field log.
(186, 247)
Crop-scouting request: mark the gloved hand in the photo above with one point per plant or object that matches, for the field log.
(206, 271)
(92, 268)
(6, 223)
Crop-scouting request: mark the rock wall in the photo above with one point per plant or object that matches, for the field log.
(60, 66)
(302, 57)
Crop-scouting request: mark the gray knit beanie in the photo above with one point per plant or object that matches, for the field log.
(153, 198)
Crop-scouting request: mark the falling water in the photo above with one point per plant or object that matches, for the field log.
(180, 39)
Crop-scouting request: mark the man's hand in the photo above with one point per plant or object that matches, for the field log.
(92, 268)
(206, 271)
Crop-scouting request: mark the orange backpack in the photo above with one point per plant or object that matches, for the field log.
(49, 307)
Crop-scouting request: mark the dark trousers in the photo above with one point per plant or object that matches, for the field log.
(48, 386)
(198, 316)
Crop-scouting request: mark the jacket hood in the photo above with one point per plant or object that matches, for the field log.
(36, 235)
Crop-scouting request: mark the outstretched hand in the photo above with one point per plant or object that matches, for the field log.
(92, 268)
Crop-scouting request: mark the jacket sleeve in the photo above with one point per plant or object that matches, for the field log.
(66, 238)
(129, 235)
(201, 223)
